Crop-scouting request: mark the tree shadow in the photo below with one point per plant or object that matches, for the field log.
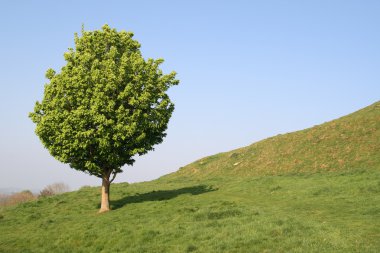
(161, 195)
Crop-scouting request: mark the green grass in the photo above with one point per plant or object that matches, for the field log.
(344, 144)
(316, 190)
(330, 212)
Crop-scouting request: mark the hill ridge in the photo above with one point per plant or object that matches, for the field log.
(346, 143)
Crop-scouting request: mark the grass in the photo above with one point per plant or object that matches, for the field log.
(329, 212)
(315, 190)
(344, 144)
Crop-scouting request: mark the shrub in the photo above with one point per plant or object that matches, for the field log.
(3, 198)
(16, 198)
(54, 189)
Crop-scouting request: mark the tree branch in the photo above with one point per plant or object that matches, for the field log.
(113, 177)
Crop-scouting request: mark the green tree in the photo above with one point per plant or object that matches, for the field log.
(107, 105)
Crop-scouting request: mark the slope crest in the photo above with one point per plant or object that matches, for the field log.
(348, 143)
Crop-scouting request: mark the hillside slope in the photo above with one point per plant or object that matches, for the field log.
(202, 208)
(348, 143)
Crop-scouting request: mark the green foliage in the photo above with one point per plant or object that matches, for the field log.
(106, 105)
(322, 212)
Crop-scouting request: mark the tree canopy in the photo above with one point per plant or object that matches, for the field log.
(106, 105)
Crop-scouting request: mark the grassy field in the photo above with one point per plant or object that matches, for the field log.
(330, 212)
(315, 190)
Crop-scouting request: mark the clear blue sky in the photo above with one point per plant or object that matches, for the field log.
(248, 70)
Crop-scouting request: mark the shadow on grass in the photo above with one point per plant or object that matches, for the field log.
(160, 195)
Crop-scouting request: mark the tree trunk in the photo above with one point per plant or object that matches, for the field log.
(105, 205)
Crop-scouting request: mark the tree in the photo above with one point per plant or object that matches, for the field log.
(107, 105)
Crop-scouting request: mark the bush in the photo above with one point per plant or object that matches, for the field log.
(46, 193)
(54, 189)
(16, 198)
(22, 197)
(3, 198)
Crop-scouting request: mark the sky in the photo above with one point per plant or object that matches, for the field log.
(248, 70)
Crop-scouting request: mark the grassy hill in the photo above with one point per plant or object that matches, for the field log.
(349, 143)
(316, 190)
